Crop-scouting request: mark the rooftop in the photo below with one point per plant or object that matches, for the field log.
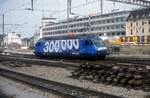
(92, 17)
(139, 14)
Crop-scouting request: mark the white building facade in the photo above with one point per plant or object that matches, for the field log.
(12, 38)
(39, 32)
(112, 24)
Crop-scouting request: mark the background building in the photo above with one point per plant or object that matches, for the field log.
(39, 32)
(31, 43)
(138, 26)
(12, 38)
(112, 24)
(26, 42)
(138, 23)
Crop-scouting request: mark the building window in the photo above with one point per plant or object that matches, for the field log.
(113, 34)
(123, 33)
(108, 27)
(108, 34)
(118, 33)
(99, 28)
(103, 28)
(149, 22)
(131, 24)
(104, 21)
(108, 21)
(143, 22)
(112, 20)
(131, 32)
(100, 22)
(142, 30)
(136, 23)
(117, 26)
(112, 27)
(137, 31)
(122, 26)
(131, 17)
(117, 19)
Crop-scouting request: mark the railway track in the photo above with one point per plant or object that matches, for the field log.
(129, 75)
(42, 62)
(66, 90)
(143, 61)
(31, 59)
(2, 95)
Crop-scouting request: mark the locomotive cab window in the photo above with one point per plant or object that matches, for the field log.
(38, 44)
(98, 42)
(88, 42)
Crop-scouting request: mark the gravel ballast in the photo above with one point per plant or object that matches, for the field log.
(13, 89)
(62, 75)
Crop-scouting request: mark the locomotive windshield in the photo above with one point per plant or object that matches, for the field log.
(95, 40)
(98, 42)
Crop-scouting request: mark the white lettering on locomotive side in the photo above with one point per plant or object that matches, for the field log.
(46, 47)
(69, 44)
(76, 44)
(51, 46)
(64, 45)
(57, 46)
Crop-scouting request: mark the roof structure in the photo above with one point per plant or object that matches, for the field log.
(139, 14)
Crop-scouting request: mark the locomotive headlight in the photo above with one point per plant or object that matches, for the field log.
(102, 48)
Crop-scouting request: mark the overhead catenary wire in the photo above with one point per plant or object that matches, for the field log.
(55, 12)
(13, 9)
(52, 12)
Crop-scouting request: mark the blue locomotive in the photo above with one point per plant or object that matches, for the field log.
(85, 46)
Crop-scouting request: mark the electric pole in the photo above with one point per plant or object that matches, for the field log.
(68, 12)
(31, 8)
(32, 5)
(3, 24)
(101, 6)
(3, 28)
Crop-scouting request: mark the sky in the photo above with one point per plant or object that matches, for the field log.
(29, 21)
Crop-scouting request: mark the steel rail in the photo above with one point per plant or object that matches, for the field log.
(42, 62)
(75, 62)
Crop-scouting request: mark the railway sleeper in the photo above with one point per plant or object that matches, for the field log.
(126, 76)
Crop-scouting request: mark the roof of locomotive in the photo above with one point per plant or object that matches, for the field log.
(87, 37)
